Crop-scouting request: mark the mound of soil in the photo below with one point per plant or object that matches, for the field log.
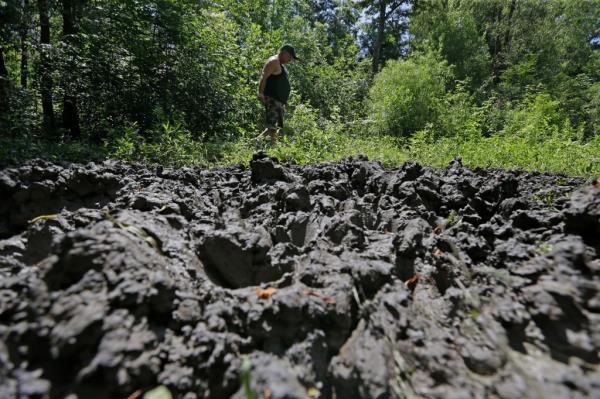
(338, 280)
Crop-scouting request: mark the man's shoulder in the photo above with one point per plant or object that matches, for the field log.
(272, 59)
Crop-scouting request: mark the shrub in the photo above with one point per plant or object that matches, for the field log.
(457, 117)
(593, 108)
(538, 117)
(405, 95)
(172, 145)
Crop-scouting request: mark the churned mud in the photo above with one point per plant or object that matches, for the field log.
(339, 280)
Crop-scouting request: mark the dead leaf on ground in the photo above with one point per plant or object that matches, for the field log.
(438, 230)
(265, 293)
(135, 394)
(267, 393)
(327, 299)
(411, 282)
(596, 182)
(438, 252)
(53, 216)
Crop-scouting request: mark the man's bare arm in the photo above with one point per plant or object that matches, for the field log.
(268, 69)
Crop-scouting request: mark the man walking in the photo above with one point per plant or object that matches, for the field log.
(274, 89)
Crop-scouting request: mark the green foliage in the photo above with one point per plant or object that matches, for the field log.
(160, 392)
(310, 138)
(592, 108)
(405, 94)
(15, 150)
(555, 154)
(457, 117)
(501, 83)
(451, 28)
(245, 377)
(539, 117)
(317, 140)
(194, 60)
(307, 143)
(173, 145)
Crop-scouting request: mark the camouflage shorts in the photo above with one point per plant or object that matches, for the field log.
(273, 113)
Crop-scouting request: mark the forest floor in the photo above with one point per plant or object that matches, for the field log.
(335, 280)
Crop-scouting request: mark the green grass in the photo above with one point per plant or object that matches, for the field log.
(304, 149)
(14, 151)
(555, 155)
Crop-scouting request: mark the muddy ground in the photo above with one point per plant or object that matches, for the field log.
(338, 280)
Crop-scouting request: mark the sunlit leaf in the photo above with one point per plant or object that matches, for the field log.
(44, 217)
(161, 392)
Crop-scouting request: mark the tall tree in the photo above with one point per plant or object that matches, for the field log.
(381, 11)
(45, 72)
(3, 70)
(6, 18)
(70, 116)
(450, 28)
(23, 30)
(500, 17)
(3, 84)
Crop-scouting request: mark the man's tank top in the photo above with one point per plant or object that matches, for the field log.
(278, 86)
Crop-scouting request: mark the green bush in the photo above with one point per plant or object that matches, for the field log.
(309, 139)
(14, 151)
(554, 154)
(539, 117)
(405, 95)
(457, 117)
(451, 28)
(172, 145)
(592, 108)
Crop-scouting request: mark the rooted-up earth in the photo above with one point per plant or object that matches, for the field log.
(339, 280)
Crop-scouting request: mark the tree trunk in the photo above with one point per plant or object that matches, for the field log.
(380, 36)
(3, 86)
(70, 116)
(495, 41)
(46, 77)
(3, 70)
(511, 11)
(24, 49)
(502, 44)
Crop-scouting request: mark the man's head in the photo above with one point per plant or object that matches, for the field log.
(287, 53)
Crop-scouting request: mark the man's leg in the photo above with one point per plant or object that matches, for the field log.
(272, 108)
(279, 119)
(271, 133)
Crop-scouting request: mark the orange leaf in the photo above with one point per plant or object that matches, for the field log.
(327, 299)
(135, 394)
(412, 281)
(266, 292)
